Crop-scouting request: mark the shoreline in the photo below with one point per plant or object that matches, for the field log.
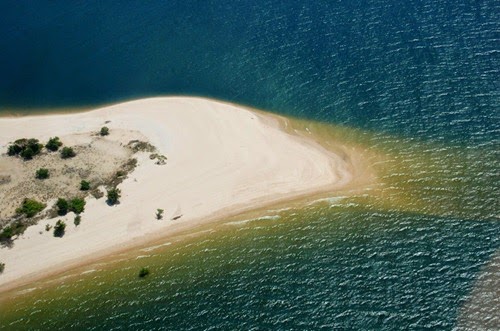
(321, 171)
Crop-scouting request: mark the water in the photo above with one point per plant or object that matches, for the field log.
(414, 80)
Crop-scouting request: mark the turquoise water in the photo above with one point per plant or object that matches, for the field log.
(414, 80)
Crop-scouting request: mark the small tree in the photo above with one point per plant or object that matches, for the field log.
(143, 272)
(62, 206)
(53, 144)
(114, 195)
(30, 207)
(42, 173)
(59, 228)
(159, 214)
(67, 152)
(77, 205)
(84, 185)
(104, 131)
(2, 267)
(77, 220)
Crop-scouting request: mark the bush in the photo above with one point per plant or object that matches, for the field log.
(27, 154)
(114, 195)
(59, 228)
(53, 144)
(26, 148)
(159, 214)
(62, 206)
(104, 131)
(7, 233)
(77, 220)
(77, 205)
(48, 227)
(30, 207)
(14, 150)
(84, 185)
(2, 267)
(67, 152)
(143, 272)
(12, 230)
(42, 173)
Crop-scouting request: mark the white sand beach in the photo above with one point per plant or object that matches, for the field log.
(221, 160)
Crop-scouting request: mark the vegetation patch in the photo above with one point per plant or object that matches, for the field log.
(11, 231)
(76, 205)
(104, 131)
(77, 220)
(114, 195)
(42, 173)
(30, 207)
(2, 267)
(84, 185)
(100, 163)
(141, 146)
(67, 152)
(62, 206)
(26, 148)
(59, 229)
(53, 144)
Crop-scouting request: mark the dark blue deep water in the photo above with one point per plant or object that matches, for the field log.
(419, 77)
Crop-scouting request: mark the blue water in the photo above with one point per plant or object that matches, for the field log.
(420, 78)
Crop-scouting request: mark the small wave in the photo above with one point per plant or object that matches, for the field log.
(331, 200)
(262, 218)
(149, 249)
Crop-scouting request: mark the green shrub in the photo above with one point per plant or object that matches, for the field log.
(67, 152)
(48, 227)
(62, 206)
(2, 267)
(42, 173)
(104, 131)
(59, 228)
(143, 272)
(27, 154)
(26, 148)
(77, 220)
(84, 185)
(53, 144)
(114, 195)
(30, 207)
(12, 230)
(7, 233)
(159, 214)
(77, 205)
(14, 150)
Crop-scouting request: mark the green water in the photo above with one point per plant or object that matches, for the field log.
(294, 270)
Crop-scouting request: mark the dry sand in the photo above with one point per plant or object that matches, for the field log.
(222, 160)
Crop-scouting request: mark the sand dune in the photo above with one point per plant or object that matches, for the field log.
(222, 159)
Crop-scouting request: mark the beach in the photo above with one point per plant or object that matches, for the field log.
(222, 160)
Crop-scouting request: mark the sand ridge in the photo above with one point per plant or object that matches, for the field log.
(222, 159)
